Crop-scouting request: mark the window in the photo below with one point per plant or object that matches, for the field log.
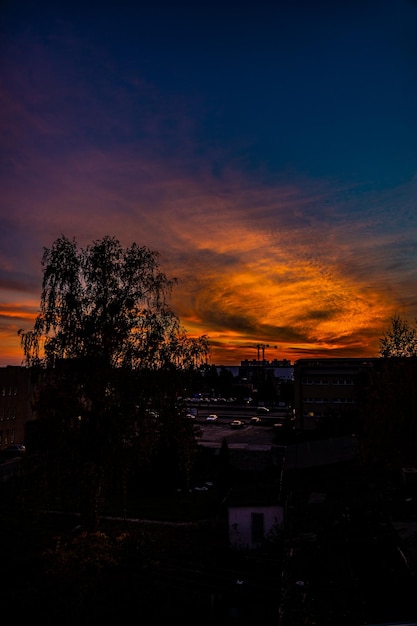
(257, 527)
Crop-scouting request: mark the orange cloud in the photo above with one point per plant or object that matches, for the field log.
(286, 264)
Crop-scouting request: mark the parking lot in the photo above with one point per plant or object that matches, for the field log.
(247, 435)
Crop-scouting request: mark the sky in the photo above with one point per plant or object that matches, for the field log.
(267, 151)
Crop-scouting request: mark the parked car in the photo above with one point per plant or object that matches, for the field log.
(212, 418)
(262, 409)
(14, 449)
(237, 424)
(255, 420)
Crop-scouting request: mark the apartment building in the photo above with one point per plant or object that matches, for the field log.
(15, 404)
(329, 388)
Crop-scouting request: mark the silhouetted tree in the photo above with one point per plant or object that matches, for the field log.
(104, 331)
(211, 380)
(388, 429)
(223, 474)
(225, 382)
(400, 340)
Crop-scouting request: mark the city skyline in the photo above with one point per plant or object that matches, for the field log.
(267, 153)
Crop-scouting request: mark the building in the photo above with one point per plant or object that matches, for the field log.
(254, 517)
(15, 404)
(329, 389)
(280, 369)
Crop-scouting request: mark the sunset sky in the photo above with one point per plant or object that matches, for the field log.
(266, 150)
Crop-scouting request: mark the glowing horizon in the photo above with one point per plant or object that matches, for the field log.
(279, 190)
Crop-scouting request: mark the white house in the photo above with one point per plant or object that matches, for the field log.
(250, 526)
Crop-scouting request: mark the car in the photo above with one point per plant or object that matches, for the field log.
(14, 449)
(190, 416)
(212, 418)
(237, 424)
(255, 420)
(262, 409)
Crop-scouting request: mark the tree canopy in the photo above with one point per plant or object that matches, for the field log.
(389, 425)
(400, 340)
(108, 303)
(109, 352)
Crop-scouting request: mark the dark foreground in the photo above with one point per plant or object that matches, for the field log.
(131, 570)
(349, 559)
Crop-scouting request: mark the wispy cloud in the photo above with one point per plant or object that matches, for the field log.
(312, 264)
(254, 260)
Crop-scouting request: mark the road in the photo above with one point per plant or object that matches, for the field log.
(228, 412)
(213, 434)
